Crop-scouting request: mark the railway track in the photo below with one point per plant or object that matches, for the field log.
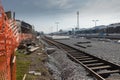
(98, 68)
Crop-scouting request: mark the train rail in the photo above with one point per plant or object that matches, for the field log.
(98, 68)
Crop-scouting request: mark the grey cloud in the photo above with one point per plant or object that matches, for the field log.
(102, 7)
(64, 10)
(44, 6)
(56, 7)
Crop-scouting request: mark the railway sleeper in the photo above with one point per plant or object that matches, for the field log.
(85, 59)
(107, 73)
(72, 51)
(78, 55)
(94, 64)
(100, 67)
(90, 61)
(81, 57)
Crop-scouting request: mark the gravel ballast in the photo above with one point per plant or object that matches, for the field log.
(63, 68)
(105, 49)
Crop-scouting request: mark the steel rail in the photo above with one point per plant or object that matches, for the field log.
(97, 67)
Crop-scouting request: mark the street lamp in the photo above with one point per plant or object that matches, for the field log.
(95, 22)
(57, 25)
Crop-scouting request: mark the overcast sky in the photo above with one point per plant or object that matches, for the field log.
(44, 13)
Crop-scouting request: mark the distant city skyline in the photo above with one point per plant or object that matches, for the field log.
(44, 13)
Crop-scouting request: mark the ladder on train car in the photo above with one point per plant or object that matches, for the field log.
(9, 39)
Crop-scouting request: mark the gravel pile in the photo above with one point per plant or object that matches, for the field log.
(107, 50)
(63, 68)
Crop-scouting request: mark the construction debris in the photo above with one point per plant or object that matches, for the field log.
(50, 50)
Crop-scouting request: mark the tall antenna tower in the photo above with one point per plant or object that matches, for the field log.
(78, 20)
